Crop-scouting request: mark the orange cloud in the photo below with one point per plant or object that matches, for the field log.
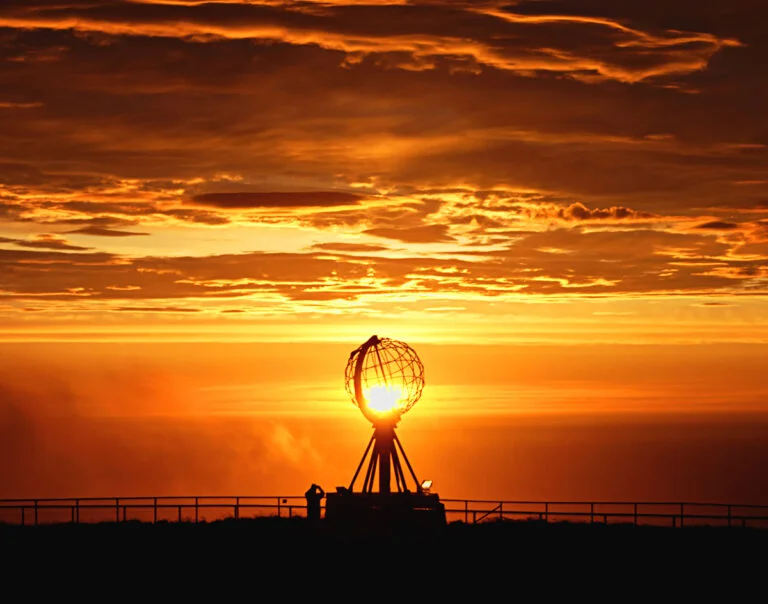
(491, 37)
(245, 200)
(439, 155)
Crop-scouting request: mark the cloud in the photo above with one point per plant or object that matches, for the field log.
(579, 212)
(431, 233)
(351, 125)
(198, 216)
(713, 304)
(491, 37)
(600, 264)
(155, 309)
(47, 242)
(717, 225)
(19, 105)
(349, 247)
(105, 232)
(247, 200)
(539, 148)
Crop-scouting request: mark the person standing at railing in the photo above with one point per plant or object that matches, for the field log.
(314, 496)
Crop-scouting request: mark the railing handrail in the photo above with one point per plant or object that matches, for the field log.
(444, 500)
(189, 507)
(166, 497)
(606, 502)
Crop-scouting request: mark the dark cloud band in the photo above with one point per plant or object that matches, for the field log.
(242, 201)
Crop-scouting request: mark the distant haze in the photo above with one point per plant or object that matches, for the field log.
(99, 420)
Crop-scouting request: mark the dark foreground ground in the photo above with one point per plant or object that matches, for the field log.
(279, 559)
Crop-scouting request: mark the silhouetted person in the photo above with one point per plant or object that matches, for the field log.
(314, 496)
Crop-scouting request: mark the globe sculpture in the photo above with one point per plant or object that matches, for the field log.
(384, 378)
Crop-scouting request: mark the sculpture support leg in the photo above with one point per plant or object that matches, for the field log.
(385, 440)
(386, 457)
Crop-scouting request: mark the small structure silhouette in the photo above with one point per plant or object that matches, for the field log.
(314, 496)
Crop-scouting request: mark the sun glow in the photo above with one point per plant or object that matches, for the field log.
(383, 399)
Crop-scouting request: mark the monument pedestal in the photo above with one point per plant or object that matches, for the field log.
(384, 512)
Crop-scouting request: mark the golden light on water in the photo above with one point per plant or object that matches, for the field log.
(384, 399)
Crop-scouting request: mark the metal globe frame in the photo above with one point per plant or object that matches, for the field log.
(382, 362)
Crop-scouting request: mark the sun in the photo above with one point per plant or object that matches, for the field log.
(383, 399)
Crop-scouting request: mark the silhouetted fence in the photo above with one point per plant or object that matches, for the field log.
(675, 514)
(147, 509)
(209, 508)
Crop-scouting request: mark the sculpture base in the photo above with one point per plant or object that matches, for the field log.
(384, 512)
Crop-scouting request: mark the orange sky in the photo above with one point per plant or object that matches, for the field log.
(561, 205)
(513, 422)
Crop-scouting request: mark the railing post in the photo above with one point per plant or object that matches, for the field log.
(77, 511)
(501, 510)
(466, 511)
(237, 508)
(546, 511)
(35, 512)
(154, 509)
(729, 515)
(682, 514)
(279, 511)
(117, 509)
(23, 509)
(635, 513)
(592, 513)
(179, 513)
(197, 509)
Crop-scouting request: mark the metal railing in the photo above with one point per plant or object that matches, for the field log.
(147, 509)
(675, 514)
(209, 508)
